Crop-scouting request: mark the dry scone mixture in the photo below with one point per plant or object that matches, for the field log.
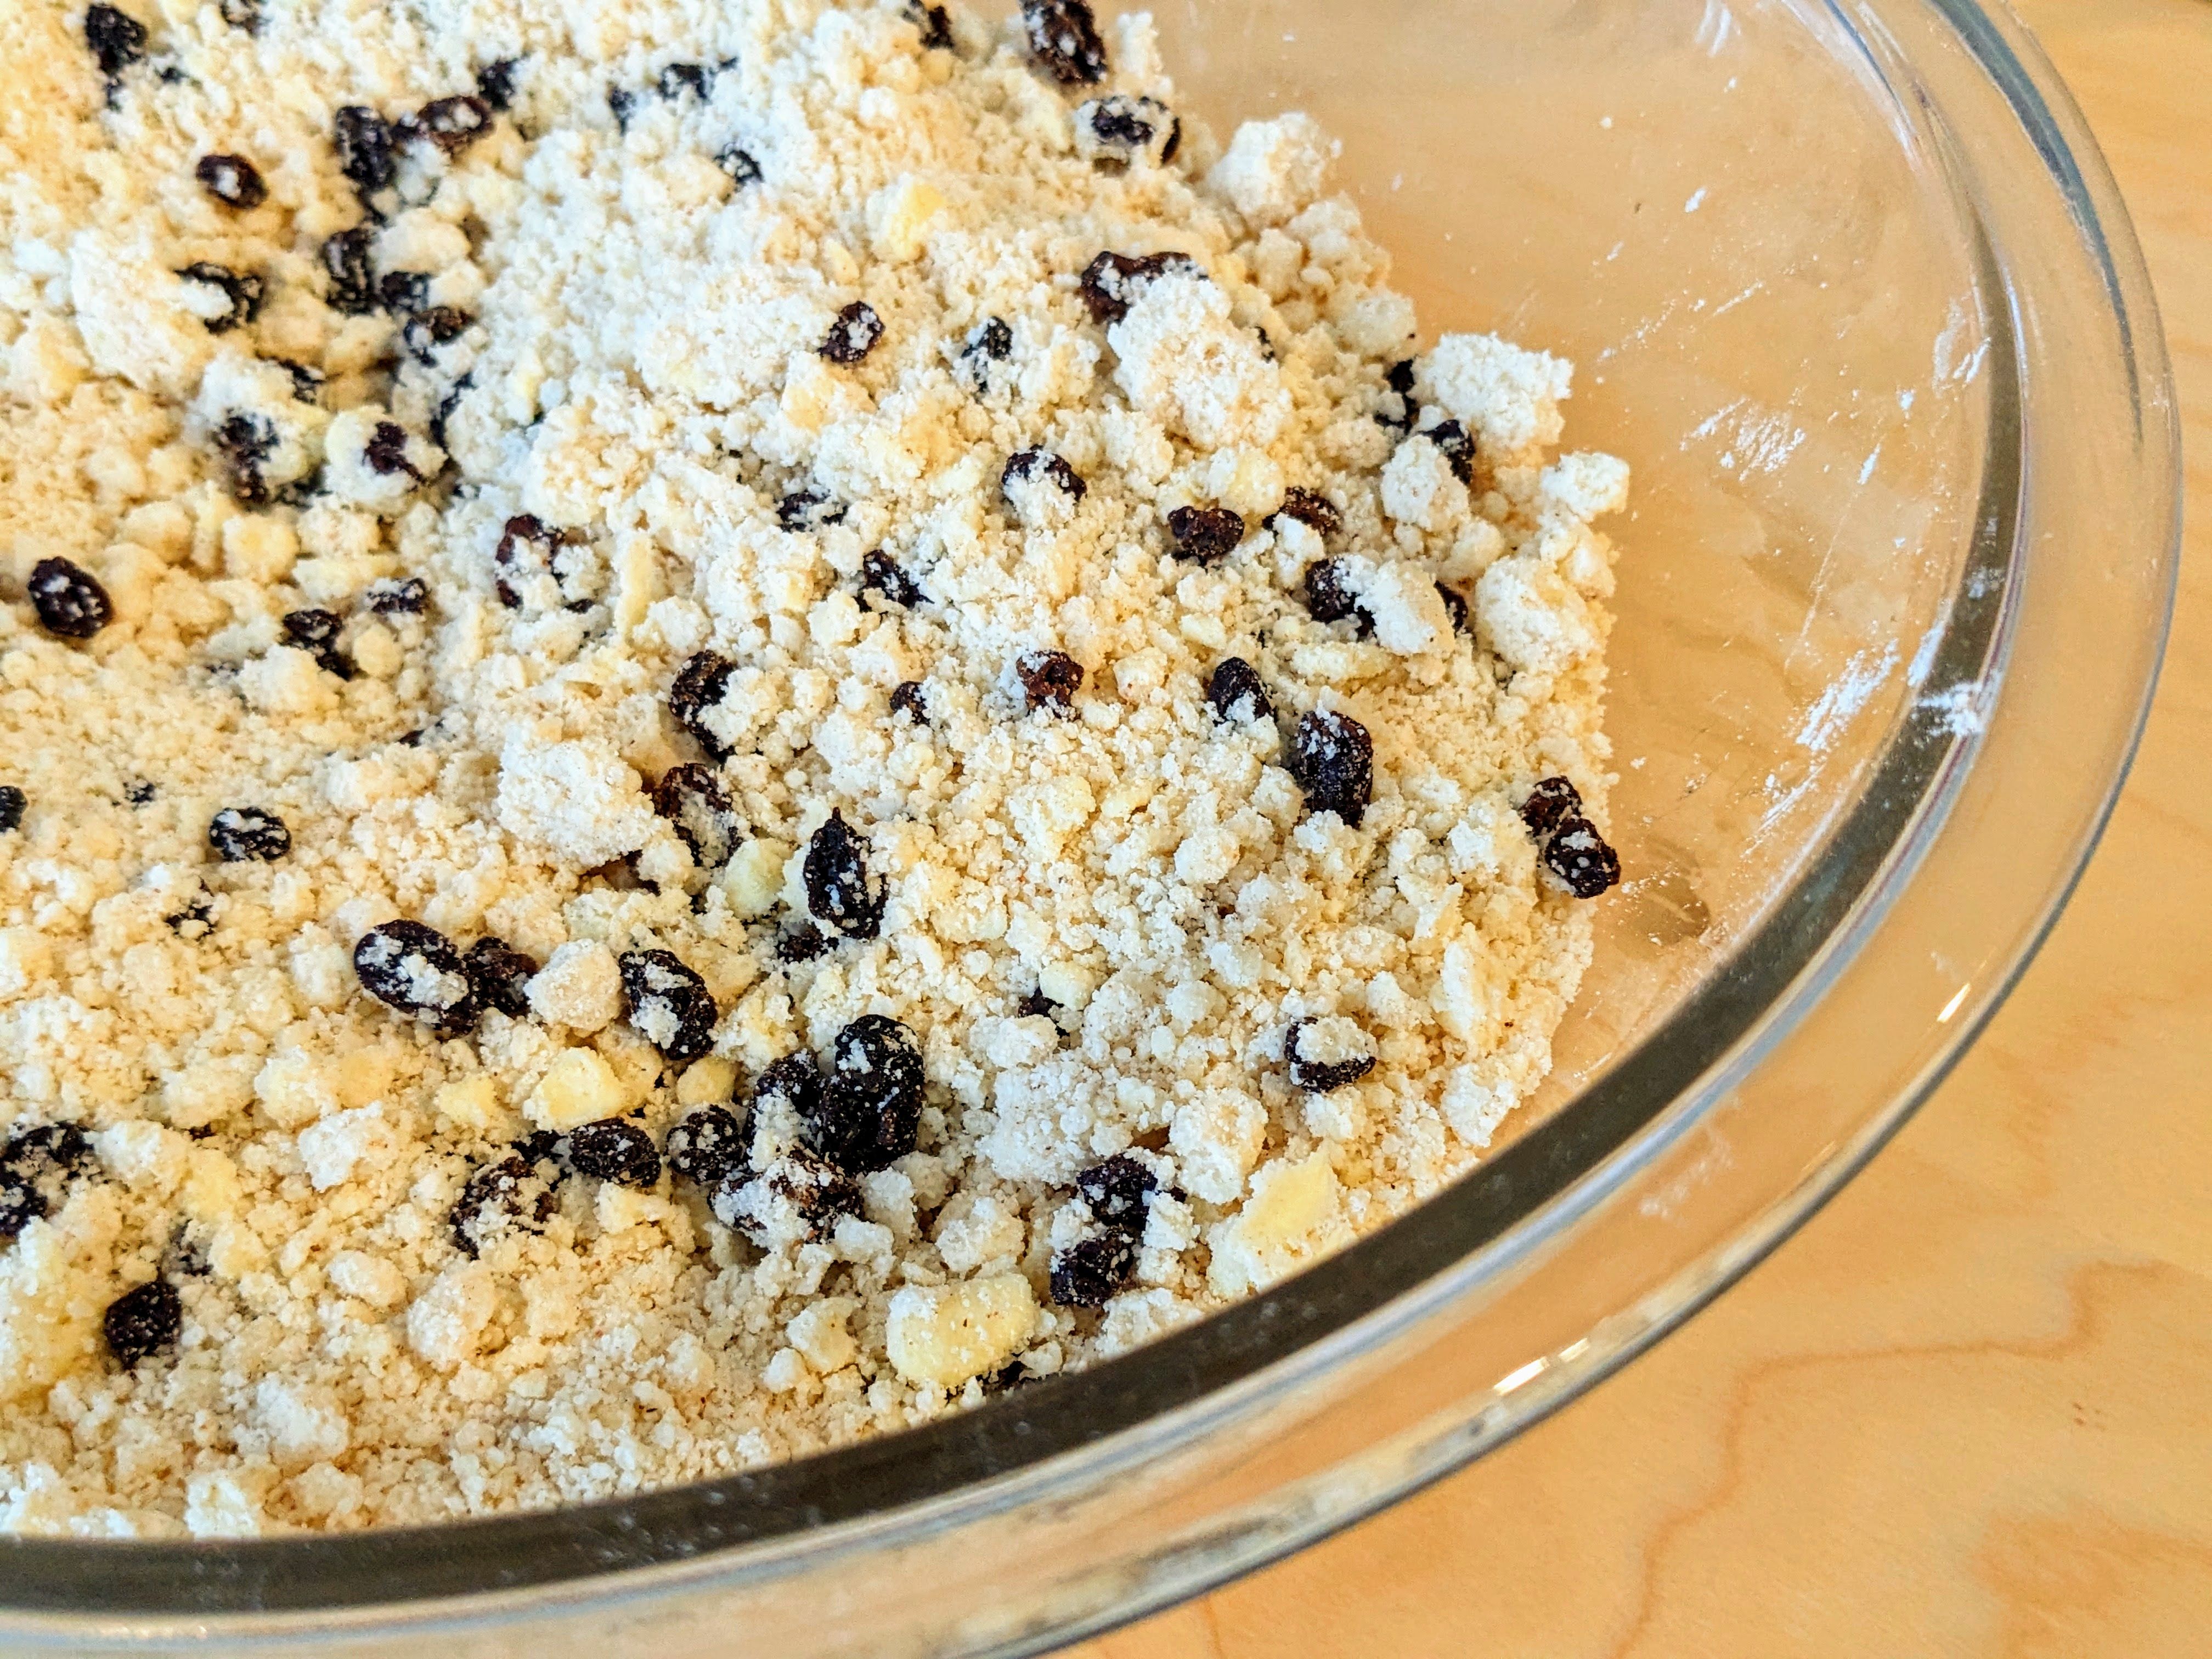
(727, 720)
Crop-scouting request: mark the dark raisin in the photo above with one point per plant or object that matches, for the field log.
(815, 1187)
(404, 291)
(804, 509)
(348, 262)
(306, 383)
(669, 1003)
(1051, 679)
(1087, 1272)
(140, 793)
(1104, 287)
(801, 942)
(500, 976)
(12, 803)
(1314, 511)
(707, 1146)
(415, 970)
(739, 164)
(192, 921)
(518, 1190)
(117, 40)
(144, 1322)
(1110, 281)
(1396, 408)
(794, 1081)
(1118, 120)
(496, 82)
(936, 25)
(433, 326)
(1236, 694)
(815, 1191)
(525, 545)
(1321, 1076)
(1333, 759)
(244, 441)
(853, 335)
(36, 1167)
(540, 1147)
(838, 888)
(407, 596)
(69, 602)
(1458, 449)
(233, 180)
(697, 689)
(1064, 39)
(311, 629)
(1327, 595)
(1205, 535)
(1119, 1192)
(1454, 606)
(447, 405)
(989, 342)
(1009, 1376)
(1121, 128)
(909, 700)
(870, 1108)
(362, 139)
(612, 1150)
(386, 451)
(242, 288)
(883, 576)
(19, 1206)
(186, 1255)
(622, 103)
(301, 490)
(243, 15)
(1027, 465)
(1579, 858)
(1552, 800)
(1034, 1004)
(691, 798)
(452, 124)
(239, 834)
(48, 1149)
(677, 79)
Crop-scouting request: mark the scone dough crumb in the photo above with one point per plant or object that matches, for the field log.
(726, 725)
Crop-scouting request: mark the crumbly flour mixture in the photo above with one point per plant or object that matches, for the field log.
(726, 721)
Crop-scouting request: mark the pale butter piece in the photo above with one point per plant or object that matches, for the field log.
(579, 1087)
(1293, 1216)
(706, 1082)
(946, 1333)
(752, 880)
(470, 1103)
(899, 216)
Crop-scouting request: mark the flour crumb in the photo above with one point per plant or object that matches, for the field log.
(828, 714)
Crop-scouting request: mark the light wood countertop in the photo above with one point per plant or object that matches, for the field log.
(1968, 1409)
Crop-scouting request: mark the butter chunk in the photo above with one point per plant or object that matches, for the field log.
(579, 1087)
(1293, 1216)
(945, 1335)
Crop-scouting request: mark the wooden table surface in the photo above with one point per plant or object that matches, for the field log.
(1968, 1409)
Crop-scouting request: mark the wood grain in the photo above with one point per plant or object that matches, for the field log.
(1968, 1410)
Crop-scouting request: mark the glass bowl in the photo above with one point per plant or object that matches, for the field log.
(1849, 286)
